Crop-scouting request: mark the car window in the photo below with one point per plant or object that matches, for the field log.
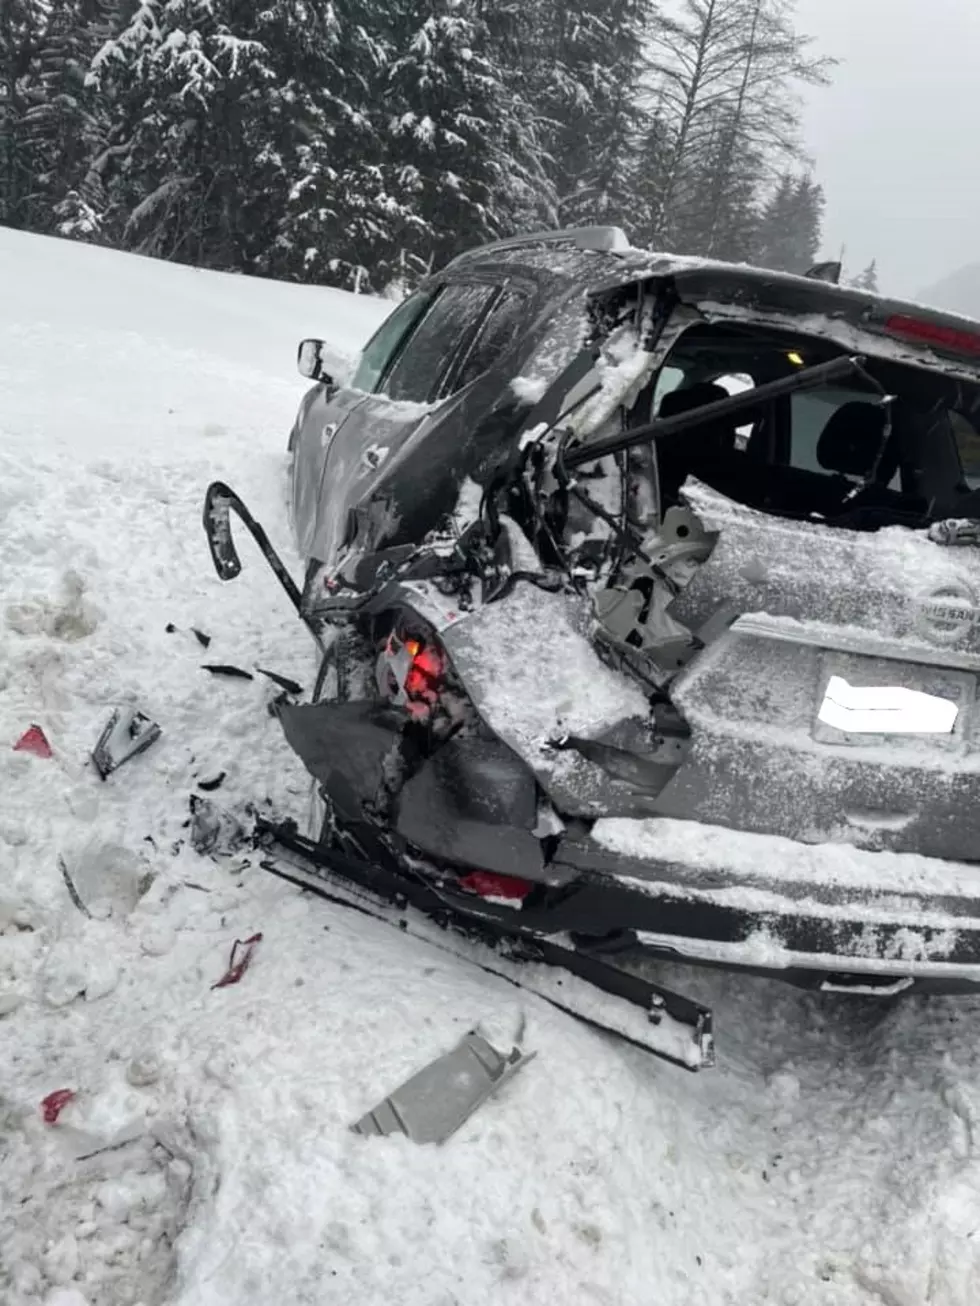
(968, 444)
(418, 369)
(736, 383)
(498, 334)
(670, 378)
(387, 340)
(811, 413)
(806, 450)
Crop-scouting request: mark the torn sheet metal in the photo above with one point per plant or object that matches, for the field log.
(126, 733)
(437, 1100)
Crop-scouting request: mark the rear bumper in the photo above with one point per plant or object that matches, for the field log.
(772, 905)
(682, 888)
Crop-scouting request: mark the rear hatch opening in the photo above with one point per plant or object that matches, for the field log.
(787, 570)
(900, 446)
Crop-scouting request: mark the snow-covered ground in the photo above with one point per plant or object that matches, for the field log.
(831, 1158)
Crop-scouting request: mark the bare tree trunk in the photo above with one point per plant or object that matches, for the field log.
(733, 135)
(684, 127)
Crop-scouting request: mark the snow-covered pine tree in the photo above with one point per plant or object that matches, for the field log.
(651, 171)
(21, 24)
(209, 102)
(868, 279)
(339, 215)
(177, 83)
(46, 118)
(464, 155)
(727, 215)
(788, 236)
(591, 76)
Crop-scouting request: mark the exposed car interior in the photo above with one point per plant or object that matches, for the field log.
(854, 457)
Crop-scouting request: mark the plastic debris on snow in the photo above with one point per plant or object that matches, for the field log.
(53, 1105)
(70, 886)
(242, 952)
(284, 682)
(127, 733)
(226, 669)
(35, 742)
(213, 829)
(438, 1099)
(203, 639)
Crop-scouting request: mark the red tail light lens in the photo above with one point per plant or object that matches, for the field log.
(951, 339)
(426, 671)
(412, 674)
(488, 884)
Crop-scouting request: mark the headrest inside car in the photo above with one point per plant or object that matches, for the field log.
(693, 396)
(850, 441)
(711, 440)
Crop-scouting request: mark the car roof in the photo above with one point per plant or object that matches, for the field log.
(597, 259)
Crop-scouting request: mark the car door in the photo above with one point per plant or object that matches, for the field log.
(428, 376)
(327, 407)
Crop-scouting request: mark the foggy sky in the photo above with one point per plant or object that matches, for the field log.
(896, 138)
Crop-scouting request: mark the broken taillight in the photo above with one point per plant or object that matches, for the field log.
(923, 332)
(426, 670)
(489, 884)
(412, 673)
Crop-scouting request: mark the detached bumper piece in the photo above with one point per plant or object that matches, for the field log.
(591, 988)
(437, 1100)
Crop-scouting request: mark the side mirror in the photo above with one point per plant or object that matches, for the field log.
(310, 361)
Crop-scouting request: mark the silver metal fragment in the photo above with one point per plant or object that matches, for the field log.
(431, 1105)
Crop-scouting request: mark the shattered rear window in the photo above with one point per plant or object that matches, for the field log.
(968, 447)
(811, 413)
(834, 453)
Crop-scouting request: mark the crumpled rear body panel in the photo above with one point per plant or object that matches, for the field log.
(887, 609)
(891, 585)
(529, 665)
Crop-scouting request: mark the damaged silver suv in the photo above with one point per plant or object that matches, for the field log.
(647, 595)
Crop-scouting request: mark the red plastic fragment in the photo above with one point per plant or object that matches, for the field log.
(53, 1105)
(238, 963)
(34, 741)
(488, 884)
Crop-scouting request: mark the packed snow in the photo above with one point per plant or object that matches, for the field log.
(194, 1149)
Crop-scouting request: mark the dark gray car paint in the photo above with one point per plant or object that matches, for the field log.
(868, 607)
(758, 760)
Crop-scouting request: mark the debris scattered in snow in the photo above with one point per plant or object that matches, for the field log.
(239, 961)
(53, 1105)
(34, 741)
(213, 828)
(438, 1099)
(126, 734)
(830, 1159)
